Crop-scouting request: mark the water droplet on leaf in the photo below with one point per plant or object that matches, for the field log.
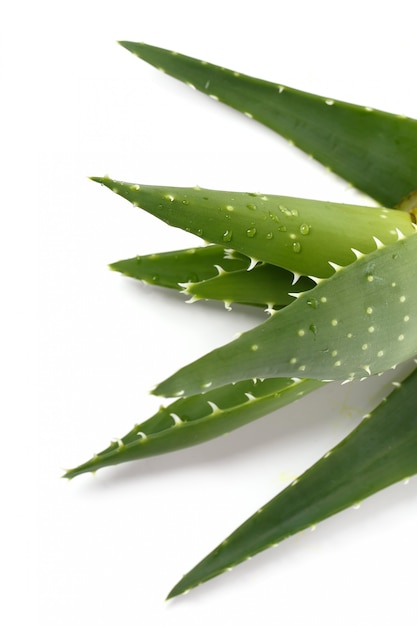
(304, 229)
(227, 235)
(296, 246)
(251, 232)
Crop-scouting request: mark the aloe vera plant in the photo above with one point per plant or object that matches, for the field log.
(337, 280)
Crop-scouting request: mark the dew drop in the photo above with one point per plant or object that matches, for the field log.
(313, 329)
(269, 236)
(284, 210)
(186, 202)
(155, 278)
(251, 207)
(294, 212)
(274, 217)
(227, 235)
(199, 232)
(251, 232)
(304, 229)
(282, 228)
(296, 246)
(313, 303)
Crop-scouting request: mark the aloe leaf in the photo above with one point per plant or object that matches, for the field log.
(170, 269)
(381, 451)
(212, 273)
(302, 236)
(373, 150)
(190, 421)
(265, 285)
(358, 322)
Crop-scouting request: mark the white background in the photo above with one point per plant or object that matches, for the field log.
(107, 549)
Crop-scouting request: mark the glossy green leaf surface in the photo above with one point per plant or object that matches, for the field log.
(264, 285)
(214, 273)
(373, 150)
(190, 421)
(170, 269)
(381, 451)
(356, 323)
(303, 236)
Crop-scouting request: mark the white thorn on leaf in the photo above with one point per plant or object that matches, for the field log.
(335, 266)
(296, 278)
(252, 264)
(357, 253)
(192, 299)
(400, 234)
(315, 279)
(176, 418)
(220, 270)
(229, 254)
(379, 243)
(213, 407)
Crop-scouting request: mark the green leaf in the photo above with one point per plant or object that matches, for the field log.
(264, 285)
(302, 236)
(213, 273)
(381, 451)
(358, 322)
(190, 421)
(170, 269)
(373, 150)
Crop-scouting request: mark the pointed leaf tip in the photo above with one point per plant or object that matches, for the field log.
(375, 151)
